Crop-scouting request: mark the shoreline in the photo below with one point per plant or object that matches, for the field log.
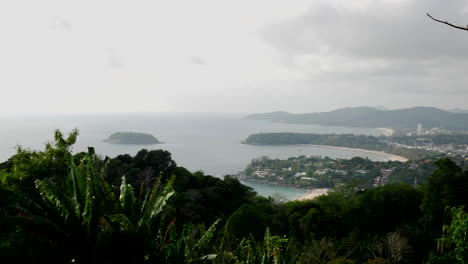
(312, 194)
(388, 156)
(273, 184)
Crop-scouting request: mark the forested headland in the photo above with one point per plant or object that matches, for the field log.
(60, 207)
(340, 140)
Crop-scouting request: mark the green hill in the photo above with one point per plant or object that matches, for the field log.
(429, 117)
(132, 138)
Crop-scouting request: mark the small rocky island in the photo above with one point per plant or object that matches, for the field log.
(134, 138)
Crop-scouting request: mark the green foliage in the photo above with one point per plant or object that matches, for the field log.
(325, 172)
(454, 242)
(27, 166)
(203, 199)
(272, 249)
(82, 211)
(73, 214)
(321, 251)
(445, 188)
(155, 202)
(401, 208)
(185, 247)
(132, 138)
(245, 221)
(141, 170)
(345, 140)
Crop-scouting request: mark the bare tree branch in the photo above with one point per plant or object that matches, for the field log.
(447, 23)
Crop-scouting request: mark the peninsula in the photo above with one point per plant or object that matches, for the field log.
(132, 138)
(371, 144)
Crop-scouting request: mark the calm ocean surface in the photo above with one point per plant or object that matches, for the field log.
(207, 142)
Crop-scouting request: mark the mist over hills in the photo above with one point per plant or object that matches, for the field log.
(406, 118)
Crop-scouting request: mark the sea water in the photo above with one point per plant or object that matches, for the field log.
(206, 142)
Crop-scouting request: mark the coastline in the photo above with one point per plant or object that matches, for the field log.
(265, 189)
(310, 195)
(313, 194)
(272, 184)
(388, 156)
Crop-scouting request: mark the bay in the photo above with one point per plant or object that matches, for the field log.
(197, 141)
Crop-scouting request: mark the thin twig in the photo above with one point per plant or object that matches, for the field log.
(447, 23)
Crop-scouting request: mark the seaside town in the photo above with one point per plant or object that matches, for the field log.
(323, 172)
(452, 144)
(315, 172)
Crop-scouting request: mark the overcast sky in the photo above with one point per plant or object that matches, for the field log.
(230, 56)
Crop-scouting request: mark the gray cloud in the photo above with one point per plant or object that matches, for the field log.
(387, 47)
(312, 55)
(385, 30)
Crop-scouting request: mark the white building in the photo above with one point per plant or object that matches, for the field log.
(419, 130)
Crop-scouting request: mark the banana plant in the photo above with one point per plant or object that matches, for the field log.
(272, 250)
(184, 248)
(95, 225)
(172, 247)
(88, 215)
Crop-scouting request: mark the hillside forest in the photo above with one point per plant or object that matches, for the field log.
(57, 206)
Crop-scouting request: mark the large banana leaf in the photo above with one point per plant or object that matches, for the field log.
(75, 185)
(39, 223)
(89, 188)
(192, 253)
(56, 199)
(19, 203)
(156, 202)
(85, 209)
(127, 200)
(122, 222)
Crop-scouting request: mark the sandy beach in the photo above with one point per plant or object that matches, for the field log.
(314, 193)
(378, 153)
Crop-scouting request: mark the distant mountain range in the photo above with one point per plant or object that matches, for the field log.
(407, 118)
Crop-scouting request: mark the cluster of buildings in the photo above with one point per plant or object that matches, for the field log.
(426, 143)
(304, 177)
(307, 173)
(383, 179)
(421, 131)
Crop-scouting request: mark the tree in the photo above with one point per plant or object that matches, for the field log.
(445, 188)
(387, 208)
(26, 166)
(142, 169)
(455, 239)
(447, 23)
(247, 221)
(86, 218)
